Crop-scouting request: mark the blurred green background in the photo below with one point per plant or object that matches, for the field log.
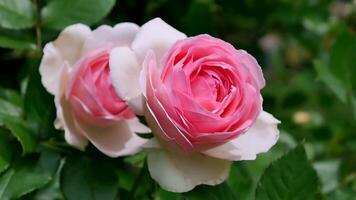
(307, 49)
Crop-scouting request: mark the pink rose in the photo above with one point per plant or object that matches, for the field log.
(75, 68)
(204, 106)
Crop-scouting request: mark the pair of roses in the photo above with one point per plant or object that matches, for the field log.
(200, 96)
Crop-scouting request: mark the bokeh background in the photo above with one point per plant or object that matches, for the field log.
(307, 49)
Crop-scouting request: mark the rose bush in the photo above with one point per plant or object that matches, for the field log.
(204, 106)
(75, 68)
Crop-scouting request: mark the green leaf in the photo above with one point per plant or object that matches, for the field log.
(343, 56)
(12, 96)
(58, 14)
(5, 151)
(241, 180)
(22, 133)
(40, 116)
(16, 14)
(11, 118)
(165, 195)
(222, 191)
(291, 177)
(83, 178)
(11, 42)
(338, 74)
(51, 190)
(328, 173)
(27, 176)
(8, 109)
(336, 85)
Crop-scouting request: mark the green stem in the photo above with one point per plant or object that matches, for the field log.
(38, 26)
(54, 146)
(138, 180)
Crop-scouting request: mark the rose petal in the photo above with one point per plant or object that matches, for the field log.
(113, 140)
(178, 172)
(137, 127)
(66, 48)
(125, 72)
(156, 35)
(251, 63)
(121, 34)
(258, 139)
(72, 134)
(156, 116)
(65, 119)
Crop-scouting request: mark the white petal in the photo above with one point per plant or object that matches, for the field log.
(136, 104)
(70, 42)
(113, 140)
(125, 72)
(50, 68)
(121, 34)
(66, 48)
(156, 35)
(143, 74)
(258, 139)
(137, 127)
(152, 144)
(178, 172)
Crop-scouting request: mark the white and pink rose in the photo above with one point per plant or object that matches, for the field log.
(200, 96)
(75, 68)
(204, 105)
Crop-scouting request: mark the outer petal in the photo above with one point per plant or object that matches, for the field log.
(65, 119)
(156, 35)
(113, 140)
(73, 135)
(251, 63)
(66, 48)
(121, 34)
(258, 139)
(137, 127)
(176, 172)
(125, 73)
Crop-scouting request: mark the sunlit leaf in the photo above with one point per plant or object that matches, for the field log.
(58, 14)
(16, 14)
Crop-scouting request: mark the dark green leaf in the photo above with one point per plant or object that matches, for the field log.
(343, 57)
(27, 176)
(39, 109)
(22, 133)
(58, 14)
(165, 195)
(335, 84)
(339, 74)
(16, 14)
(222, 191)
(83, 178)
(7, 41)
(291, 177)
(11, 118)
(5, 150)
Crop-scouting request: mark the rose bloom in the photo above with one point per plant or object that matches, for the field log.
(75, 68)
(204, 105)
